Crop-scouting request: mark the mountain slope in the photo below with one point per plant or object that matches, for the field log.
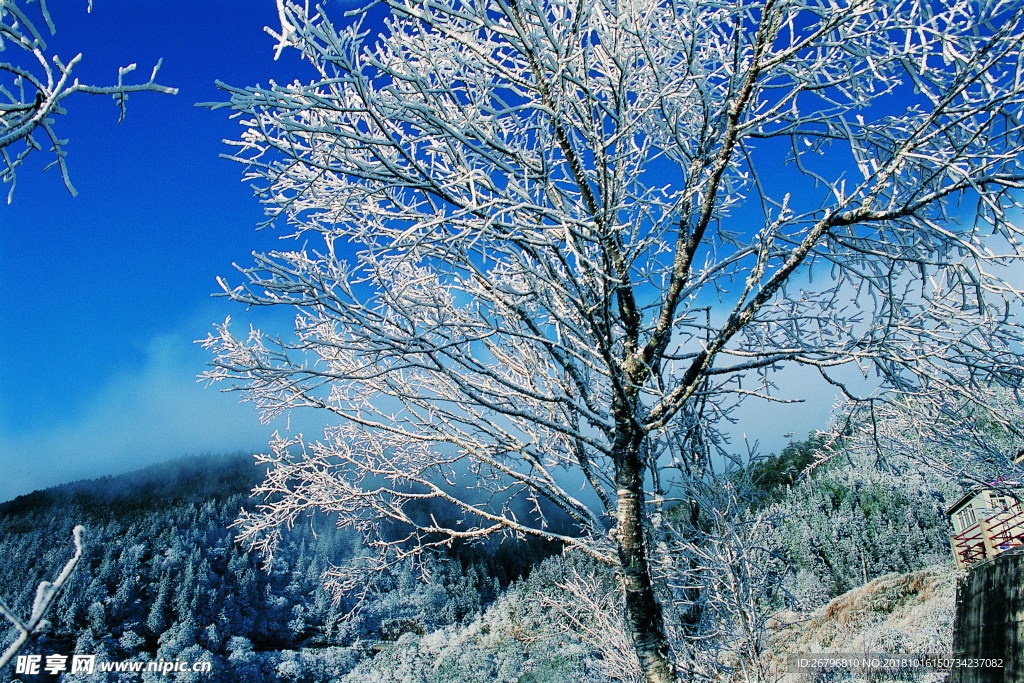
(896, 613)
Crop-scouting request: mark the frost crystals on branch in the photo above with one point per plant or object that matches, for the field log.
(34, 84)
(44, 597)
(555, 243)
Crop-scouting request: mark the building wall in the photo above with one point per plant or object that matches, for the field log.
(990, 620)
(958, 518)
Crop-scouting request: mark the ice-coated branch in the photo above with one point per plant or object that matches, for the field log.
(33, 86)
(550, 246)
(739, 579)
(45, 594)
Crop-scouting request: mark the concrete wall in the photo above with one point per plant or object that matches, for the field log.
(990, 619)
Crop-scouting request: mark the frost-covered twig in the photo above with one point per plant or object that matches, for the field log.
(549, 246)
(33, 85)
(45, 594)
(594, 612)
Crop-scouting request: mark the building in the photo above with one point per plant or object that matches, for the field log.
(987, 520)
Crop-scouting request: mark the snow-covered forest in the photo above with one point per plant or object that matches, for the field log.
(540, 262)
(162, 578)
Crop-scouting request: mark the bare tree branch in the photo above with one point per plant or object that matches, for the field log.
(45, 594)
(34, 84)
(560, 242)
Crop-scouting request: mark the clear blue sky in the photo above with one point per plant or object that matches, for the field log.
(103, 294)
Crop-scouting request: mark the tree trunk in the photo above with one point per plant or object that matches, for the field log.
(644, 617)
(691, 616)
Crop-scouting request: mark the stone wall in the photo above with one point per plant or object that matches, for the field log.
(990, 619)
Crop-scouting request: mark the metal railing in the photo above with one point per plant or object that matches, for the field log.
(969, 546)
(989, 537)
(1006, 528)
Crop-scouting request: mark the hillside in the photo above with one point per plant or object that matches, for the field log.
(896, 613)
(162, 579)
(161, 576)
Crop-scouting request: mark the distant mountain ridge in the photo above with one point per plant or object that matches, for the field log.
(192, 477)
(163, 578)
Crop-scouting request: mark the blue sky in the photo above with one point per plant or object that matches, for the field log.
(105, 293)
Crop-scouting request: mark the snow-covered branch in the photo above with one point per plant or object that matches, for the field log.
(45, 594)
(34, 84)
(557, 243)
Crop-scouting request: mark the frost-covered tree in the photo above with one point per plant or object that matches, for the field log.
(742, 585)
(45, 594)
(549, 245)
(969, 442)
(34, 83)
